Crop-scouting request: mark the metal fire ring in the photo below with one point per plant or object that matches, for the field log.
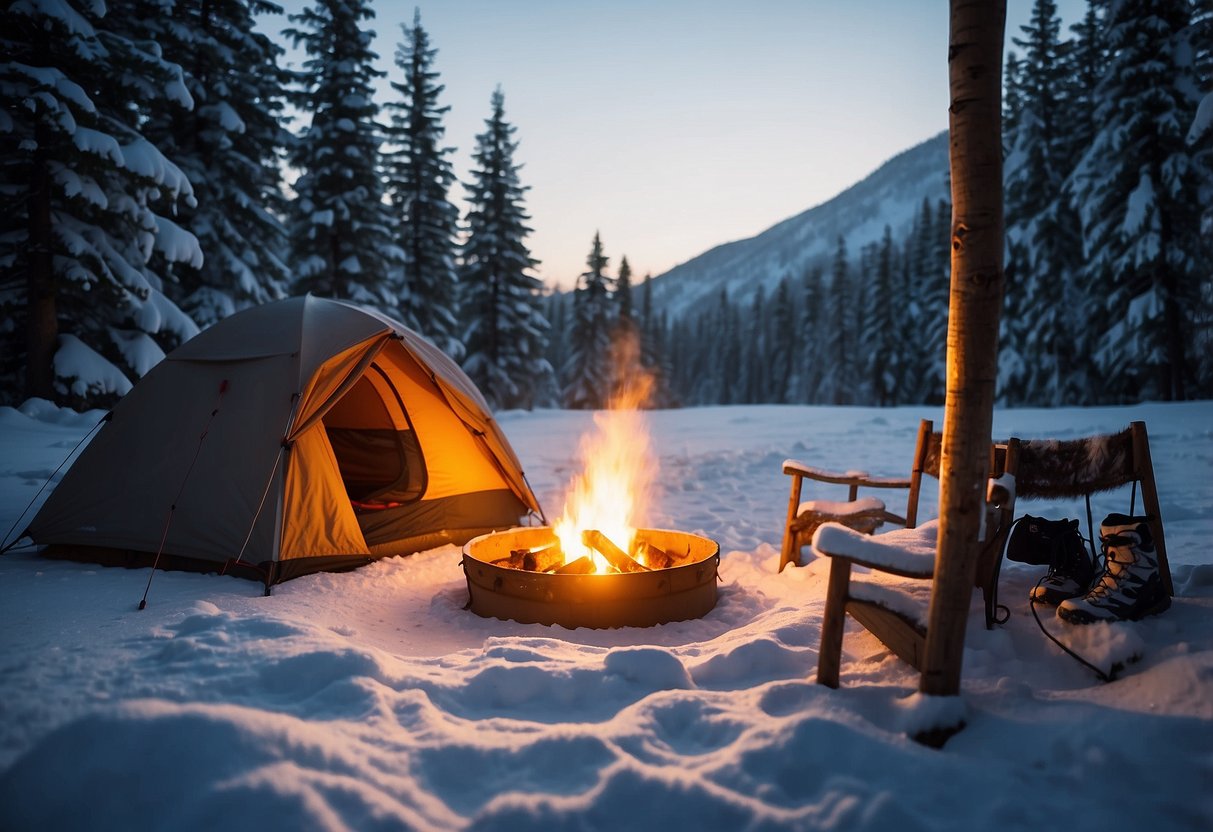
(632, 599)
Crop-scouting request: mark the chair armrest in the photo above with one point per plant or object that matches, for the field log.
(909, 553)
(794, 467)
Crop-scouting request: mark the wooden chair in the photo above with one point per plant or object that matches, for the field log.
(864, 514)
(867, 513)
(894, 609)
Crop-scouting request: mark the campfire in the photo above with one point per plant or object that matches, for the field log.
(596, 567)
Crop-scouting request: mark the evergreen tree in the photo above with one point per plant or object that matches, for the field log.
(1012, 99)
(862, 300)
(339, 225)
(1138, 188)
(724, 374)
(506, 335)
(588, 370)
(754, 379)
(229, 145)
(812, 338)
(931, 290)
(881, 354)
(1200, 141)
(84, 199)
(1043, 230)
(653, 354)
(623, 292)
(783, 354)
(1085, 59)
(663, 364)
(839, 372)
(419, 175)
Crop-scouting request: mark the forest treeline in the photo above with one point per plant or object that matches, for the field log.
(143, 151)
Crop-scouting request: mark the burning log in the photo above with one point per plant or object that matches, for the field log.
(542, 559)
(584, 565)
(653, 556)
(618, 558)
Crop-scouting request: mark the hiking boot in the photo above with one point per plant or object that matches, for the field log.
(1130, 586)
(1072, 571)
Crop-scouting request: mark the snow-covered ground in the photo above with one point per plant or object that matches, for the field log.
(372, 700)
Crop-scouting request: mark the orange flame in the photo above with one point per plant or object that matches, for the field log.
(614, 488)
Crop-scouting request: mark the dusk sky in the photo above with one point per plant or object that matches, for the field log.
(672, 126)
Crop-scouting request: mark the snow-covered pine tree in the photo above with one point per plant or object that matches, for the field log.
(914, 266)
(649, 335)
(652, 342)
(907, 321)
(1200, 141)
(627, 352)
(783, 344)
(588, 369)
(932, 287)
(340, 228)
(838, 373)
(419, 176)
(1043, 229)
(724, 371)
(83, 200)
(862, 293)
(1086, 58)
(1012, 367)
(812, 354)
(623, 292)
(1012, 100)
(663, 367)
(880, 351)
(756, 350)
(1138, 190)
(506, 331)
(230, 145)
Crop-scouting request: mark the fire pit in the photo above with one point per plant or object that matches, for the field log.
(595, 567)
(522, 574)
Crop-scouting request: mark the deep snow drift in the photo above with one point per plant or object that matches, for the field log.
(372, 700)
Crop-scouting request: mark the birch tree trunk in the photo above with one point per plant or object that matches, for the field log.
(975, 134)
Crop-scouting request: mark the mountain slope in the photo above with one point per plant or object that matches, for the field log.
(892, 195)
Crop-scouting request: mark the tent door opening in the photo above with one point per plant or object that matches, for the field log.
(376, 447)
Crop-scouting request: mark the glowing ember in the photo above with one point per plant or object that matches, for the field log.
(618, 470)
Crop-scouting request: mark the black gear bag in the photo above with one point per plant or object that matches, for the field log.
(1042, 542)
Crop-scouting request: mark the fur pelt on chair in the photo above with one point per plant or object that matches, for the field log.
(1073, 468)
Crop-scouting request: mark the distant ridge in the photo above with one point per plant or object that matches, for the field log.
(891, 195)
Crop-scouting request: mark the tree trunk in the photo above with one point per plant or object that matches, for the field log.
(41, 313)
(975, 132)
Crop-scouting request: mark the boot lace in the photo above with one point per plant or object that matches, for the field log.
(1114, 570)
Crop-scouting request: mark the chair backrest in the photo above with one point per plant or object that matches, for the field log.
(927, 456)
(1069, 468)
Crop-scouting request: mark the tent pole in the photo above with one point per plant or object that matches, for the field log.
(168, 520)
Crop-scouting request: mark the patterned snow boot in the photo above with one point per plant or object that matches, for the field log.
(1130, 586)
(1072, 570)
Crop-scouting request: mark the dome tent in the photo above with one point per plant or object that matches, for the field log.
(302, 435)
